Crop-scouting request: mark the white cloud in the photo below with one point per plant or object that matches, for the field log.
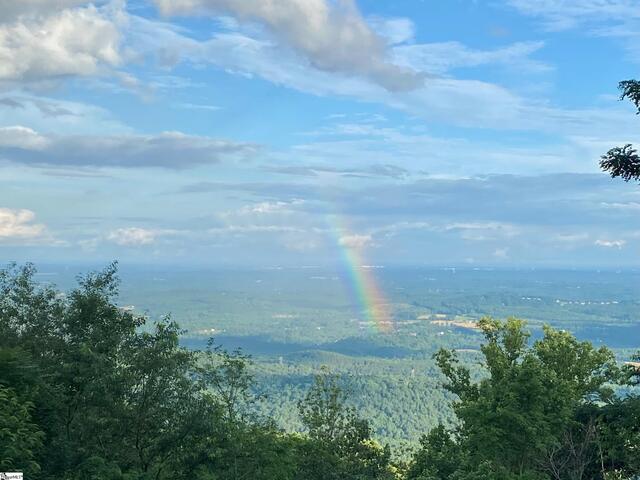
(394, 30)
(609, 18)
(284, 223)
(409, 151)
(197, 106)
(355, 241)
(333, 37)
(89, 244)
(12, 9)
(395, 228)
(269, 208)
(622, 205)
(611, 243)
(564, 14)
(439, 58)
(132, 237)
(42, 113)
(461, 102)
(172, 150)
(21, 137)
(310, 27)
(66, 43)
(474, 231)
(19, 225)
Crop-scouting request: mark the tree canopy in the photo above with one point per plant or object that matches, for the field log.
(89, 391)
(542, 411)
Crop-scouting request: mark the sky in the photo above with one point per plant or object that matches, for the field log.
(286, 132)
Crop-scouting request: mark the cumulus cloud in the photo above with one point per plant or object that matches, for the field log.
(368, 54)
(132, 237)
(332, 36)
(19, 225)
(464, 102)
(172, 150)
(68, 42)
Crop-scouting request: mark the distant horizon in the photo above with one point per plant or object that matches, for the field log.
(84, 267)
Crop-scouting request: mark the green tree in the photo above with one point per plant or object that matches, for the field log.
(162, 409)
(20, 437)
(438, 458)
(619, 437)
(227, 377)
(239, 445)
(620, 423)
(624, 162)
(522, 417)
(88, 391)
(340, 444)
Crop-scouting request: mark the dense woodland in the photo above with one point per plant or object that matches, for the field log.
(88, 393)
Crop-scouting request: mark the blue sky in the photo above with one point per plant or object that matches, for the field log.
(277, 132)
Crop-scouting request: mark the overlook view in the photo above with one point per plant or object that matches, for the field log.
(319, 239)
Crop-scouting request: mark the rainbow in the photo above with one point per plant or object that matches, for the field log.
(369, 295)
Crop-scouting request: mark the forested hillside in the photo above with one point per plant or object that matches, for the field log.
(90, 392)
(293, 321)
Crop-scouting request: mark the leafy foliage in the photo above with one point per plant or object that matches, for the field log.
(87, 390)
(19, 436)
(630, 89)
(338, 436)
(541, 412)
(624, 162)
